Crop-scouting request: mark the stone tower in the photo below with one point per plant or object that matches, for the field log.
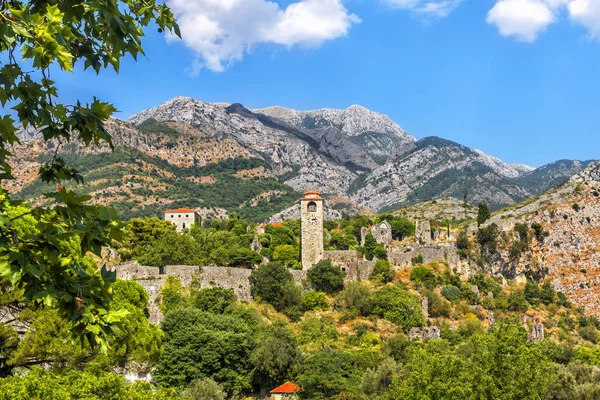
(311, 215)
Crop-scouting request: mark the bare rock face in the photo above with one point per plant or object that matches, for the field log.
(590, 174)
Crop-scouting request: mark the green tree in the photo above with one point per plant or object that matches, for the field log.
(547, 293)
(463, 244)
(214, 300)
(201, 345)
(287, 254)
(423, 275)
(203, 389)
(334, 373)
(483, 214)
(402, 228)
(272, 283)
(532, 292)
(517, 302)
(141, 234)
(488, 237)
(382, 271)
(325, 277)
(276, 356)
(61, 35)
(372, 249)
(172, 249)
(396, 305)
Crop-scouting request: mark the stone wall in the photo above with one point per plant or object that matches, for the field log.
(237, 279)
(402, 257)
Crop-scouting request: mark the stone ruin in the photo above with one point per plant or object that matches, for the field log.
(382, 232)
(425, 306)
(423, 232)
(432, 332)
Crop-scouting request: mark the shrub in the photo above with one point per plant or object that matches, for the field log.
(396, 305)
(423, 275)
(488, 237)
(317, 331)
(485, 284)
(532, 293)
(516, 250)
(562, 300)
(382, 272)
(315, 301)
(326, 277)
(205, 389)
(469, 327)
(358, 298)
(501, 302)
(589, 333)
(451, 293)
(467, 293)
(418, 259)
(517, 302)
(438, 306)
(523, 231)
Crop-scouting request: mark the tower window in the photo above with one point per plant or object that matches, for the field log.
(184, 225)
(312, 207)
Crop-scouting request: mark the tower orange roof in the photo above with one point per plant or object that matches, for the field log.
(180, 210)
(287, 387)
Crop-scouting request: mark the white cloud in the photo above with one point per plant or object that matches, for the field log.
(522, 19)
(586, 13)
(525, 20)
(426, 8)
(222, 31)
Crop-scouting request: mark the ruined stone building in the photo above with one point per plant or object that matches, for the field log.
(183, 218)
(382, 232)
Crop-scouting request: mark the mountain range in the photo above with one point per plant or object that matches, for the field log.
(197, 154)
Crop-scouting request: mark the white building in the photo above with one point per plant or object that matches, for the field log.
(183, 218)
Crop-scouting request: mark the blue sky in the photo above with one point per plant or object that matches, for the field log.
(518, 79)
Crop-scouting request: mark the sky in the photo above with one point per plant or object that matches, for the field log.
(518, 79)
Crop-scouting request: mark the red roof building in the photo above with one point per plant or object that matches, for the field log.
(180, 211)
(286, 391)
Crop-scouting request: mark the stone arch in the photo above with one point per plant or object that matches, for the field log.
(311, 206)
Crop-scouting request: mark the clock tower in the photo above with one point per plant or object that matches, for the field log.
(311, 215)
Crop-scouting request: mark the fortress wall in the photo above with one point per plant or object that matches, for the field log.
(237, 279)
(183, 272)
(132, 270)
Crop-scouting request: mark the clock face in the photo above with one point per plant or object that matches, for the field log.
(313, 220)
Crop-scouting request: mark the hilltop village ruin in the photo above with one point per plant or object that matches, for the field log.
(428, 244)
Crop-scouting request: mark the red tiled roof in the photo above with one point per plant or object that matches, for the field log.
(181, 210)
(287, 387)
(312, 192)
(277, 224)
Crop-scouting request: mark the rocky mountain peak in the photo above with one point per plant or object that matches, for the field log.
(589, 174)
